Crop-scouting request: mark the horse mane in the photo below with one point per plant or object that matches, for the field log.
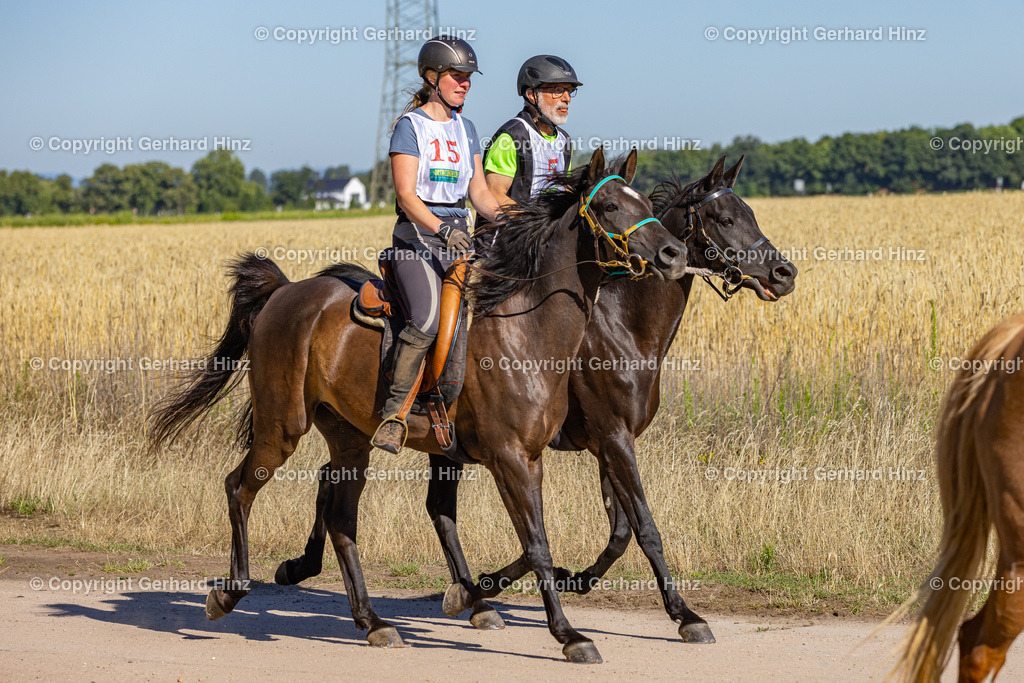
(519, 243)
(671, 193)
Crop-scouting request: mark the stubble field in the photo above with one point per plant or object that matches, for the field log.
(794, 439)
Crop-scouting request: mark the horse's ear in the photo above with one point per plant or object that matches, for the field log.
(596, 165)
(628, 171)
(730, 176)
(713, 178)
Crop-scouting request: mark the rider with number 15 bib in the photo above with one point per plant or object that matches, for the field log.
(435, 163)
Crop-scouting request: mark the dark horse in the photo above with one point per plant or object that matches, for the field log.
(608, 410)
(312, 364)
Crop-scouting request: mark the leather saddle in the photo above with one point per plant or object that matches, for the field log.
(379, 304)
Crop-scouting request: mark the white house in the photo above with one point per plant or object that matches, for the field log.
(342, 193)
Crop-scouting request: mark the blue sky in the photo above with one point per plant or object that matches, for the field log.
(189, 69)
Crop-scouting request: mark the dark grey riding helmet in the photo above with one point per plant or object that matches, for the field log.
(443, 53)
(545, 69)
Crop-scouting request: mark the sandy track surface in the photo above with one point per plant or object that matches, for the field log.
(158, 631)
(296, 632)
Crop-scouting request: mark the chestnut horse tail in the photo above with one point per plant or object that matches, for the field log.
(967, 518)
(254, 280)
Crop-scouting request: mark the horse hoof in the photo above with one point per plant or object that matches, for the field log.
(293, 572)
(697, 632)
(456, 600)
(281, 576)
(385, 637)
(583, 652)
(215, 609)
(487, 619)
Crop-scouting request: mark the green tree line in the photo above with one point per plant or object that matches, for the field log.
(216, 183)
(910, 160)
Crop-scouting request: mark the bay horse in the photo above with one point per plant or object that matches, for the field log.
(312, 364)
(609, 409)
(980, 465)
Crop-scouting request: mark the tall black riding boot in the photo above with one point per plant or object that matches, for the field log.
(410, 351)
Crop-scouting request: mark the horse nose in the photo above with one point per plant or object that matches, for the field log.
(670, 255)
(783, 273)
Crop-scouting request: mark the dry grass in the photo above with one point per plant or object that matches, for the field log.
(835, 376)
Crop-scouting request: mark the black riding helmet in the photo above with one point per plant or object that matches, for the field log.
(544, 69)
(541, 69)
(443, 54)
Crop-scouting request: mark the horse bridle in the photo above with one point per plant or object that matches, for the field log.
(732, 277)
(619, 241)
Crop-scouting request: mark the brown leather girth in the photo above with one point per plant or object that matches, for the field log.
(440, 422)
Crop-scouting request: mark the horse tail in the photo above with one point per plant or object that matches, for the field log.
(254, 280)
(967, 519)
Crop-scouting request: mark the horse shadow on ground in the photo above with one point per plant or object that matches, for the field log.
(271, 612)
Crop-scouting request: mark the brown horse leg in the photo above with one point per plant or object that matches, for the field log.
(310, 563)
(519, 483)
(341, 507)
(442, 506)
(986, 637)
(490, 585)
(242, 485)
(619, 458)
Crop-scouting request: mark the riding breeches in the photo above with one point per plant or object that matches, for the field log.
(419, 262)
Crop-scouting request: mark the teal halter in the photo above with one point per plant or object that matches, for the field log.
(618, 241)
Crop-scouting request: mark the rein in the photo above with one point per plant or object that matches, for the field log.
(488, 273)
(690, 270)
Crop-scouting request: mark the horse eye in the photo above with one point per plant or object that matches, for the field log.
(610, 206)
(726, 221)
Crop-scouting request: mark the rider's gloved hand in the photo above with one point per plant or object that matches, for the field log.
(454, 238)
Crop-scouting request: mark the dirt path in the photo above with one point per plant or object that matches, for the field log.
(158, 630)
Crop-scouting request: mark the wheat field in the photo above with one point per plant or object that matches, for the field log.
(841, 379)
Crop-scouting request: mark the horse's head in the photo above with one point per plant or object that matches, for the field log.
(624, 225)
(722, 234)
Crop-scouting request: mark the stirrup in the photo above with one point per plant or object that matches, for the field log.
(397, 420)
